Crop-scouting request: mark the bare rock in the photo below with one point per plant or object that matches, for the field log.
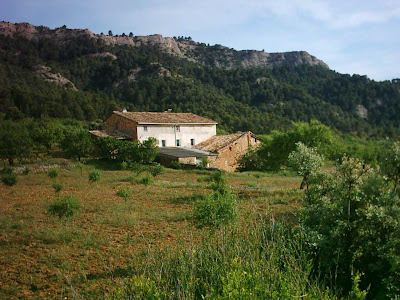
(45, 73)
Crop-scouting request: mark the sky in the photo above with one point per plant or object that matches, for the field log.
(351, 36)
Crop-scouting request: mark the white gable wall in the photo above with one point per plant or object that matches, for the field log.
(169, 133)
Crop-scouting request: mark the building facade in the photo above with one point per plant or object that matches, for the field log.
(169, 129)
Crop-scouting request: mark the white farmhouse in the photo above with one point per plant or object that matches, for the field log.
(169, 129)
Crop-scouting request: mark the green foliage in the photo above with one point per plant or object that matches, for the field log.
(307, 162)
(128, 151)
(64, 207)
(9, 179)
(26, 171)
(76, 142)
(390, 162)
(266, 261)
(204, 162)
(276, 147)
(57, 187)
(175, 165)
(217, 209)
(156, 169)
(15, 141)
(145, 178)
(94, 176)
(288, 93)
(352, 221)
(53, 173)
(123, 193)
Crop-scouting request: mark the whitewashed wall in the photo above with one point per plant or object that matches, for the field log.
(168, 133)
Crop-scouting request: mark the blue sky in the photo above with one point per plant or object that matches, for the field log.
(353, 36)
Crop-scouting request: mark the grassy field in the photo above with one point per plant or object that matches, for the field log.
(87, 256)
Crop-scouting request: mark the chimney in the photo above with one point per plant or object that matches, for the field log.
(124, 111)
(169, 109)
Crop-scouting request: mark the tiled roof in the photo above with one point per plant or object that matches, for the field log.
(218, 142)
(164, 118)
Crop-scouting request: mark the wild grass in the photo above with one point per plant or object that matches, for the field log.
(261, 261)
(97, 249)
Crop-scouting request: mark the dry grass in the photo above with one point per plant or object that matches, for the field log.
(44, 257)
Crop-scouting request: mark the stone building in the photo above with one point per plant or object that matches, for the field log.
(228, 149)
(183, 137)
(169, 129)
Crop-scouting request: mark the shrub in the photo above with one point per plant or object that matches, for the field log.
(204, 162)
(145, 179)
(124, 165)
(94, 176)
(26, 171)
(215, 210)
(57, 187)
(156, 170)
(9, 179)
(64, 207)
(53, 173)
(123, 193)
(7, 170)
(176, 165)
(352, 222)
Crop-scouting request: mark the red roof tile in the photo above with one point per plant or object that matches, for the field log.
(164, 118)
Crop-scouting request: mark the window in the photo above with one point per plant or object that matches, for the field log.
(191, 142)
(144, 128)
(178, 128)
(163, 143)
(178, 143)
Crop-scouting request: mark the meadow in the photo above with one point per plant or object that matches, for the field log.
(123, 229)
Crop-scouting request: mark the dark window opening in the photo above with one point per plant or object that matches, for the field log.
(163, 143)
(191, 142)
(178, 143)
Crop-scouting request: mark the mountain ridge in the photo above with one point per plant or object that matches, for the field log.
(219, 56)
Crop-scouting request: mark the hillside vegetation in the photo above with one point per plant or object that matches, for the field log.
(86, 77)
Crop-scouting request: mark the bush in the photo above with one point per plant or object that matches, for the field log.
(145, 179)
(57, 187)
(124, 165)
(215, 210)
(176, 165)
(156, 170)
(123, 193)
(64, 207)
(9, 179)
(53, 173)
(6, 171)
(94, 176)
(352, 221)
(26, 171)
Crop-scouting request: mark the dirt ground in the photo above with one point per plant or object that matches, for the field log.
(44, 257)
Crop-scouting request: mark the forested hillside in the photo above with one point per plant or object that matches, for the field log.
(85, 78)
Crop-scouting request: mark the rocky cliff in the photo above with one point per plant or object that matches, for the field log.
(217, 55)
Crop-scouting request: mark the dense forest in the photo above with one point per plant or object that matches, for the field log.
(145, 78)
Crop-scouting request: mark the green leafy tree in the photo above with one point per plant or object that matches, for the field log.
(307, 162)
(15, 141)
(77, 142)
(390, 162)
(352, 221)
(278, 145)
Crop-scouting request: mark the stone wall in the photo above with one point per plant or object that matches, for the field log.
(124, 125)
(229, 156)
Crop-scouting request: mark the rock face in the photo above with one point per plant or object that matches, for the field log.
(361, 111)
(217, 55)
(44, 73)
